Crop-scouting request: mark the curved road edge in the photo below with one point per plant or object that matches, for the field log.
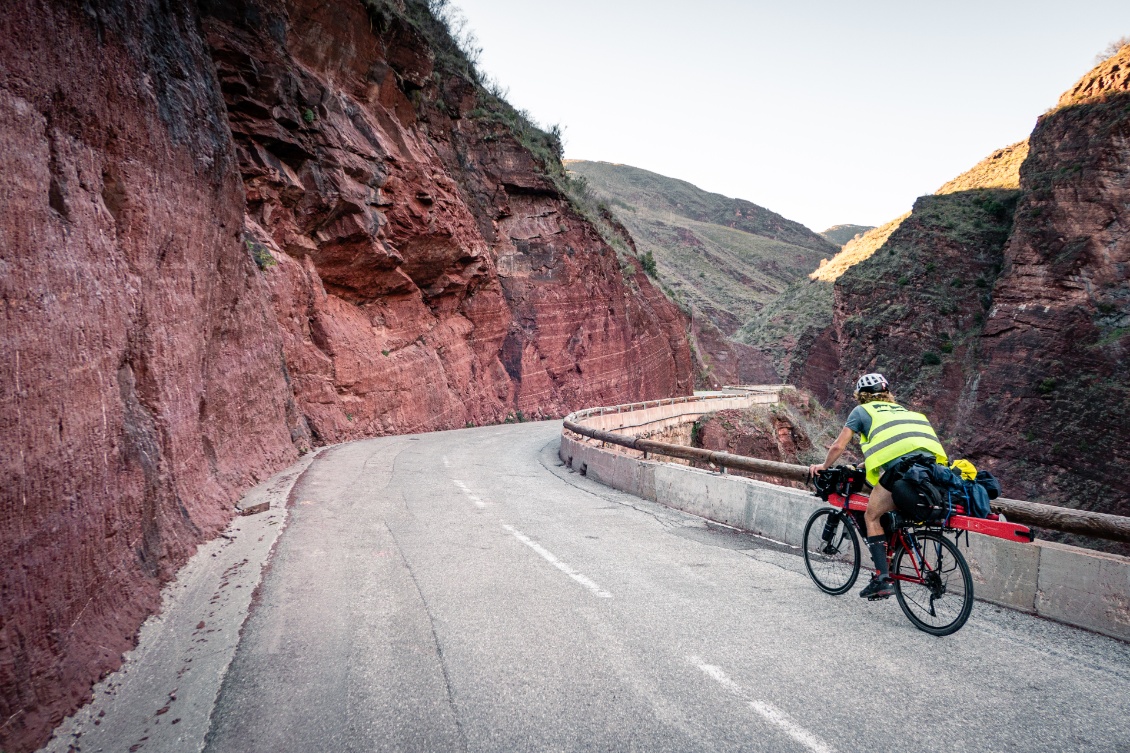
(184, 651)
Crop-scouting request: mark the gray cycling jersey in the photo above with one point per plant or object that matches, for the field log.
(859, 421)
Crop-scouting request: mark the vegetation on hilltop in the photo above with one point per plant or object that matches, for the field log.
(456, 53)
(721, 257)
(840, 234)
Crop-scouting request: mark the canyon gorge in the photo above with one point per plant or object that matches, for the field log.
(235, 232)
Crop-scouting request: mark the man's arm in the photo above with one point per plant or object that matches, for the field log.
(834, 451)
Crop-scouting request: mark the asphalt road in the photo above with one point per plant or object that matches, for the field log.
(464, 591)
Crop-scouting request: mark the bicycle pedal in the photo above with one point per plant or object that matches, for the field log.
(879, 597)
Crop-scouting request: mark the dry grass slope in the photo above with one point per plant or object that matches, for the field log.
(723, 257)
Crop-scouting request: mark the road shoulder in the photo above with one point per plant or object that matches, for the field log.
(163, 695)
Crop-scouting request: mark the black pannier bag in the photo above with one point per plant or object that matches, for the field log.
(990, 483)
(920, 502)
(915, 495)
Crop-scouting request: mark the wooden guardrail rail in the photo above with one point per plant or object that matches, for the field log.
(1095, 524)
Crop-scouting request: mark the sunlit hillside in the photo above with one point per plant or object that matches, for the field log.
(1001, 169)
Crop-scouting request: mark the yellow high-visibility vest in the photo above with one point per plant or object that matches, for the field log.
(896, 431)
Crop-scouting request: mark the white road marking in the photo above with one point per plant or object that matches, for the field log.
(470, 494)
(446, 462)
(767, 710)
(551, 559)
(719, 676)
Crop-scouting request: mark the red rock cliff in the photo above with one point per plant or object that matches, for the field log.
(1055, 384)
(136, 334)
(234, 230)
(1005, 313)
(429, 273)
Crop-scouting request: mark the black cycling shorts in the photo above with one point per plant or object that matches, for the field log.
(898, 467)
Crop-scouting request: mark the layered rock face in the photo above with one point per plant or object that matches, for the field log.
(235, 231)
(1055, 385)
(429, 275)
(137, 336)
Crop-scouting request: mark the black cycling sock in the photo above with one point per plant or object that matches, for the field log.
(877, 545)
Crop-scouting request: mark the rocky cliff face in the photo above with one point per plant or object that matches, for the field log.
(137, 334)
(233, 231)
(429, 273)
(1054, 391)
(1001, 306)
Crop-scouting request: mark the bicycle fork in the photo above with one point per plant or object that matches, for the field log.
(830, 526)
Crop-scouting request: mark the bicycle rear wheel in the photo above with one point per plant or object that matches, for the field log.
(831, 551)
(933, 584)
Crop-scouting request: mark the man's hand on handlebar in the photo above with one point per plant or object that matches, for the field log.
(834, 453)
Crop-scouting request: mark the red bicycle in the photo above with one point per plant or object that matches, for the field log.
(932, 581)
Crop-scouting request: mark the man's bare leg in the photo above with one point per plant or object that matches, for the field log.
(879, 503)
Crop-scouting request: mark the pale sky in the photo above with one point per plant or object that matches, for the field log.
(826, 112)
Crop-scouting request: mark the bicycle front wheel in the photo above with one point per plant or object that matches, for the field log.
(831, 551)
(933, 584)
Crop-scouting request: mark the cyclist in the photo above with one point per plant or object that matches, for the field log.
(888, 433)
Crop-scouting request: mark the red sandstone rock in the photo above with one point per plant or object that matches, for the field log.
(137, 334)
(1030, 329)
(1056, 346)
(421, 272)
(429, 274)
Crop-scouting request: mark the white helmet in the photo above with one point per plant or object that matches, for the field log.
(872, 383)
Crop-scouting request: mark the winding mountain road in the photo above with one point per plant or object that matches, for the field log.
(464, 591)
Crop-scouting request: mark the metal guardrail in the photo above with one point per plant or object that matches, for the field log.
(1096, 524)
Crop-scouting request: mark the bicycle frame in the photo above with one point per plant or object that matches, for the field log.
(895, 539)
(990, 526)
(932, 580)
(910, 544)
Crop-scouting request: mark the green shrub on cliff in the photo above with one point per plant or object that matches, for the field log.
(260, 253)
(647, 259)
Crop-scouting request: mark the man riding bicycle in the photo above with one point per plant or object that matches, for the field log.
(889, 434)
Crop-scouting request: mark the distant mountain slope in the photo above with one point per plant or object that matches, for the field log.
(795, 323)
(841, 234)
(724, 257)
